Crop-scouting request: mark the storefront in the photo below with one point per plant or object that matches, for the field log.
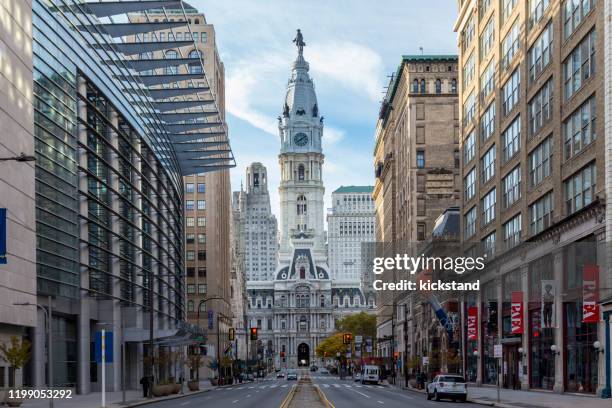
(489, 329)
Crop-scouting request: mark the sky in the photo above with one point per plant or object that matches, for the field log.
(352, 47)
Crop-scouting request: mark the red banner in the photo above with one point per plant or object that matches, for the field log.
(590, 294)
(472, 323)
(516, 312)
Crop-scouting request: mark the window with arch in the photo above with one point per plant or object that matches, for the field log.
(415, 86)
(322, 301)
(197, 21)
(173, 70)
(195, 68)
(301, 172)
(423, 86)
(301, 205)
(190, 306)
(202, 306)
(454, 86)
(438, 86)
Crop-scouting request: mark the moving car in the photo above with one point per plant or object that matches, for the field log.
(280, 374)
(447, 386)
(370, 374)
(356, 376)
(292, 375)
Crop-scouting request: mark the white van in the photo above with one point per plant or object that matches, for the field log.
(370, 374)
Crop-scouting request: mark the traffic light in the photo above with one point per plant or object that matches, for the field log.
(253, 333)
(347, 338)
(232, 334)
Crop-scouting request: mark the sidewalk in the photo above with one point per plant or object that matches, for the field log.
(113, 399)
(528, 399)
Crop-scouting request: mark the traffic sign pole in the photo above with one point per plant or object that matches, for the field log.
(103, 350)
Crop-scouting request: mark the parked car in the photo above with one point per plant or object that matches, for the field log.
(370, 374)
(356, 376)
(313, 368)
(448, 386)
(323, 370)
(292, 375)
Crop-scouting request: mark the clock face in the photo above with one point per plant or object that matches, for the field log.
(300, 139)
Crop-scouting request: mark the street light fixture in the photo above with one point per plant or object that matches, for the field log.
(48, 316)
(21, 158)
(597, 347)
(555, 350)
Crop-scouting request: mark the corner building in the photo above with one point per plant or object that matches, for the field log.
(109, 194)
(532, 161)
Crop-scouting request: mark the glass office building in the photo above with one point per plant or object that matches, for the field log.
(113, 139)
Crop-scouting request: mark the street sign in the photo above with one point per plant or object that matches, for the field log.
(368, 348)
(425, 360)
(211, 319)
(2, 235)
(358, 339)
(497, 351)
(108, 337)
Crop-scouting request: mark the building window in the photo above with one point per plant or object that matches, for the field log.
(580, 189)
(487, 38)
(420, 231)
(507, 7)
(580, 129)
(540, 53)
(301, 172)
(190, 272)
(202, 289)
(301, 205)
(470, 223)
(189, 188)
(420, 134)
(201, 204)
(579, 65)
(191, 288)
(510, 45)
(415, 86)
(540, 108)
(201, 272)
(469, 148)
(201, 255)
(201, 221)
(470, 184)
(487, 80)
(469, 109)
(488, 206)
(201, 188)
(189, 205)
(196, 67)
(457, 157)
(438, 86)
(540, 162)
(489, 244)
(423, 86)
(511, 92)
(420, 183)
(468, 71)
(190, 255)
(201, 238)
(190, 238)
(511, 138)
(511, 185)
(202, 307)
(487, 163)
(420, 159)
(453, 86)
(574, 13)
(468, 33)
(536, 10)
(172, 70)
(487, 122)
(190, 221)
(190, 306)
(484, 6)
(512, 232)
(541, 213)
(204, 37)
(420, 206)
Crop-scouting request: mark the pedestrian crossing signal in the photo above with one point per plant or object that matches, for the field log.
(348, 338)
(253, 333)
(232, 334)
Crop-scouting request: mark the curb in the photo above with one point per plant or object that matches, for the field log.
(169, 398)
(287, 401)
(323, 397)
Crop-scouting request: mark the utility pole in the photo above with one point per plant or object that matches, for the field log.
(151, 352)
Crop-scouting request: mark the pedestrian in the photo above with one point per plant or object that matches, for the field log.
(145, 386)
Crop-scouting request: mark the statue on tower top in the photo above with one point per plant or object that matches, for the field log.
(299, 41)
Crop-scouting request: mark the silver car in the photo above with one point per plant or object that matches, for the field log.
(447, 386)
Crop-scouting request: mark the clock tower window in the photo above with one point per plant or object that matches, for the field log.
(301, 172)
(301, 205)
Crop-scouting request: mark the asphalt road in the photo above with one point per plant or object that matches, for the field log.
(349, 394)
(263, 393)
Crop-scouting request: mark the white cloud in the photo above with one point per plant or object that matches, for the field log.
(352, 65)
(332, 135)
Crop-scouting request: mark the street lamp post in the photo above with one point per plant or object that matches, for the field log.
(48, 316)
(21, 158)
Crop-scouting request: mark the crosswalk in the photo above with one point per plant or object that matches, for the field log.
(272, 386)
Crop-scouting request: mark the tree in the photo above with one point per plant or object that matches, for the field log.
(331, 346)
(194, 362)
(360, 324)
(17, 354)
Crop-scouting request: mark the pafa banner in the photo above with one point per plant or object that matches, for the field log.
(472, 323)
(590, 294)
(516, 312)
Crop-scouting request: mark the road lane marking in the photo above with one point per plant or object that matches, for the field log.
(380, 402)
(284, 386)
(185, 403)
(336, 385)
(326, 385)
(235, 401)
(361, 393)
(248, 396)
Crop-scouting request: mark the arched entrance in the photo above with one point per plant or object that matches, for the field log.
(303, 355)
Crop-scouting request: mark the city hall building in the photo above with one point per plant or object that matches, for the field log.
(298, 307)
(113, 137)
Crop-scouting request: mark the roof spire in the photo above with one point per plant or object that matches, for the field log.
(299, 42)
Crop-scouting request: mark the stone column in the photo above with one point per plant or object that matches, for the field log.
(558, 277)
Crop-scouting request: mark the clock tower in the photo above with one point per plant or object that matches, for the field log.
(301, 157)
